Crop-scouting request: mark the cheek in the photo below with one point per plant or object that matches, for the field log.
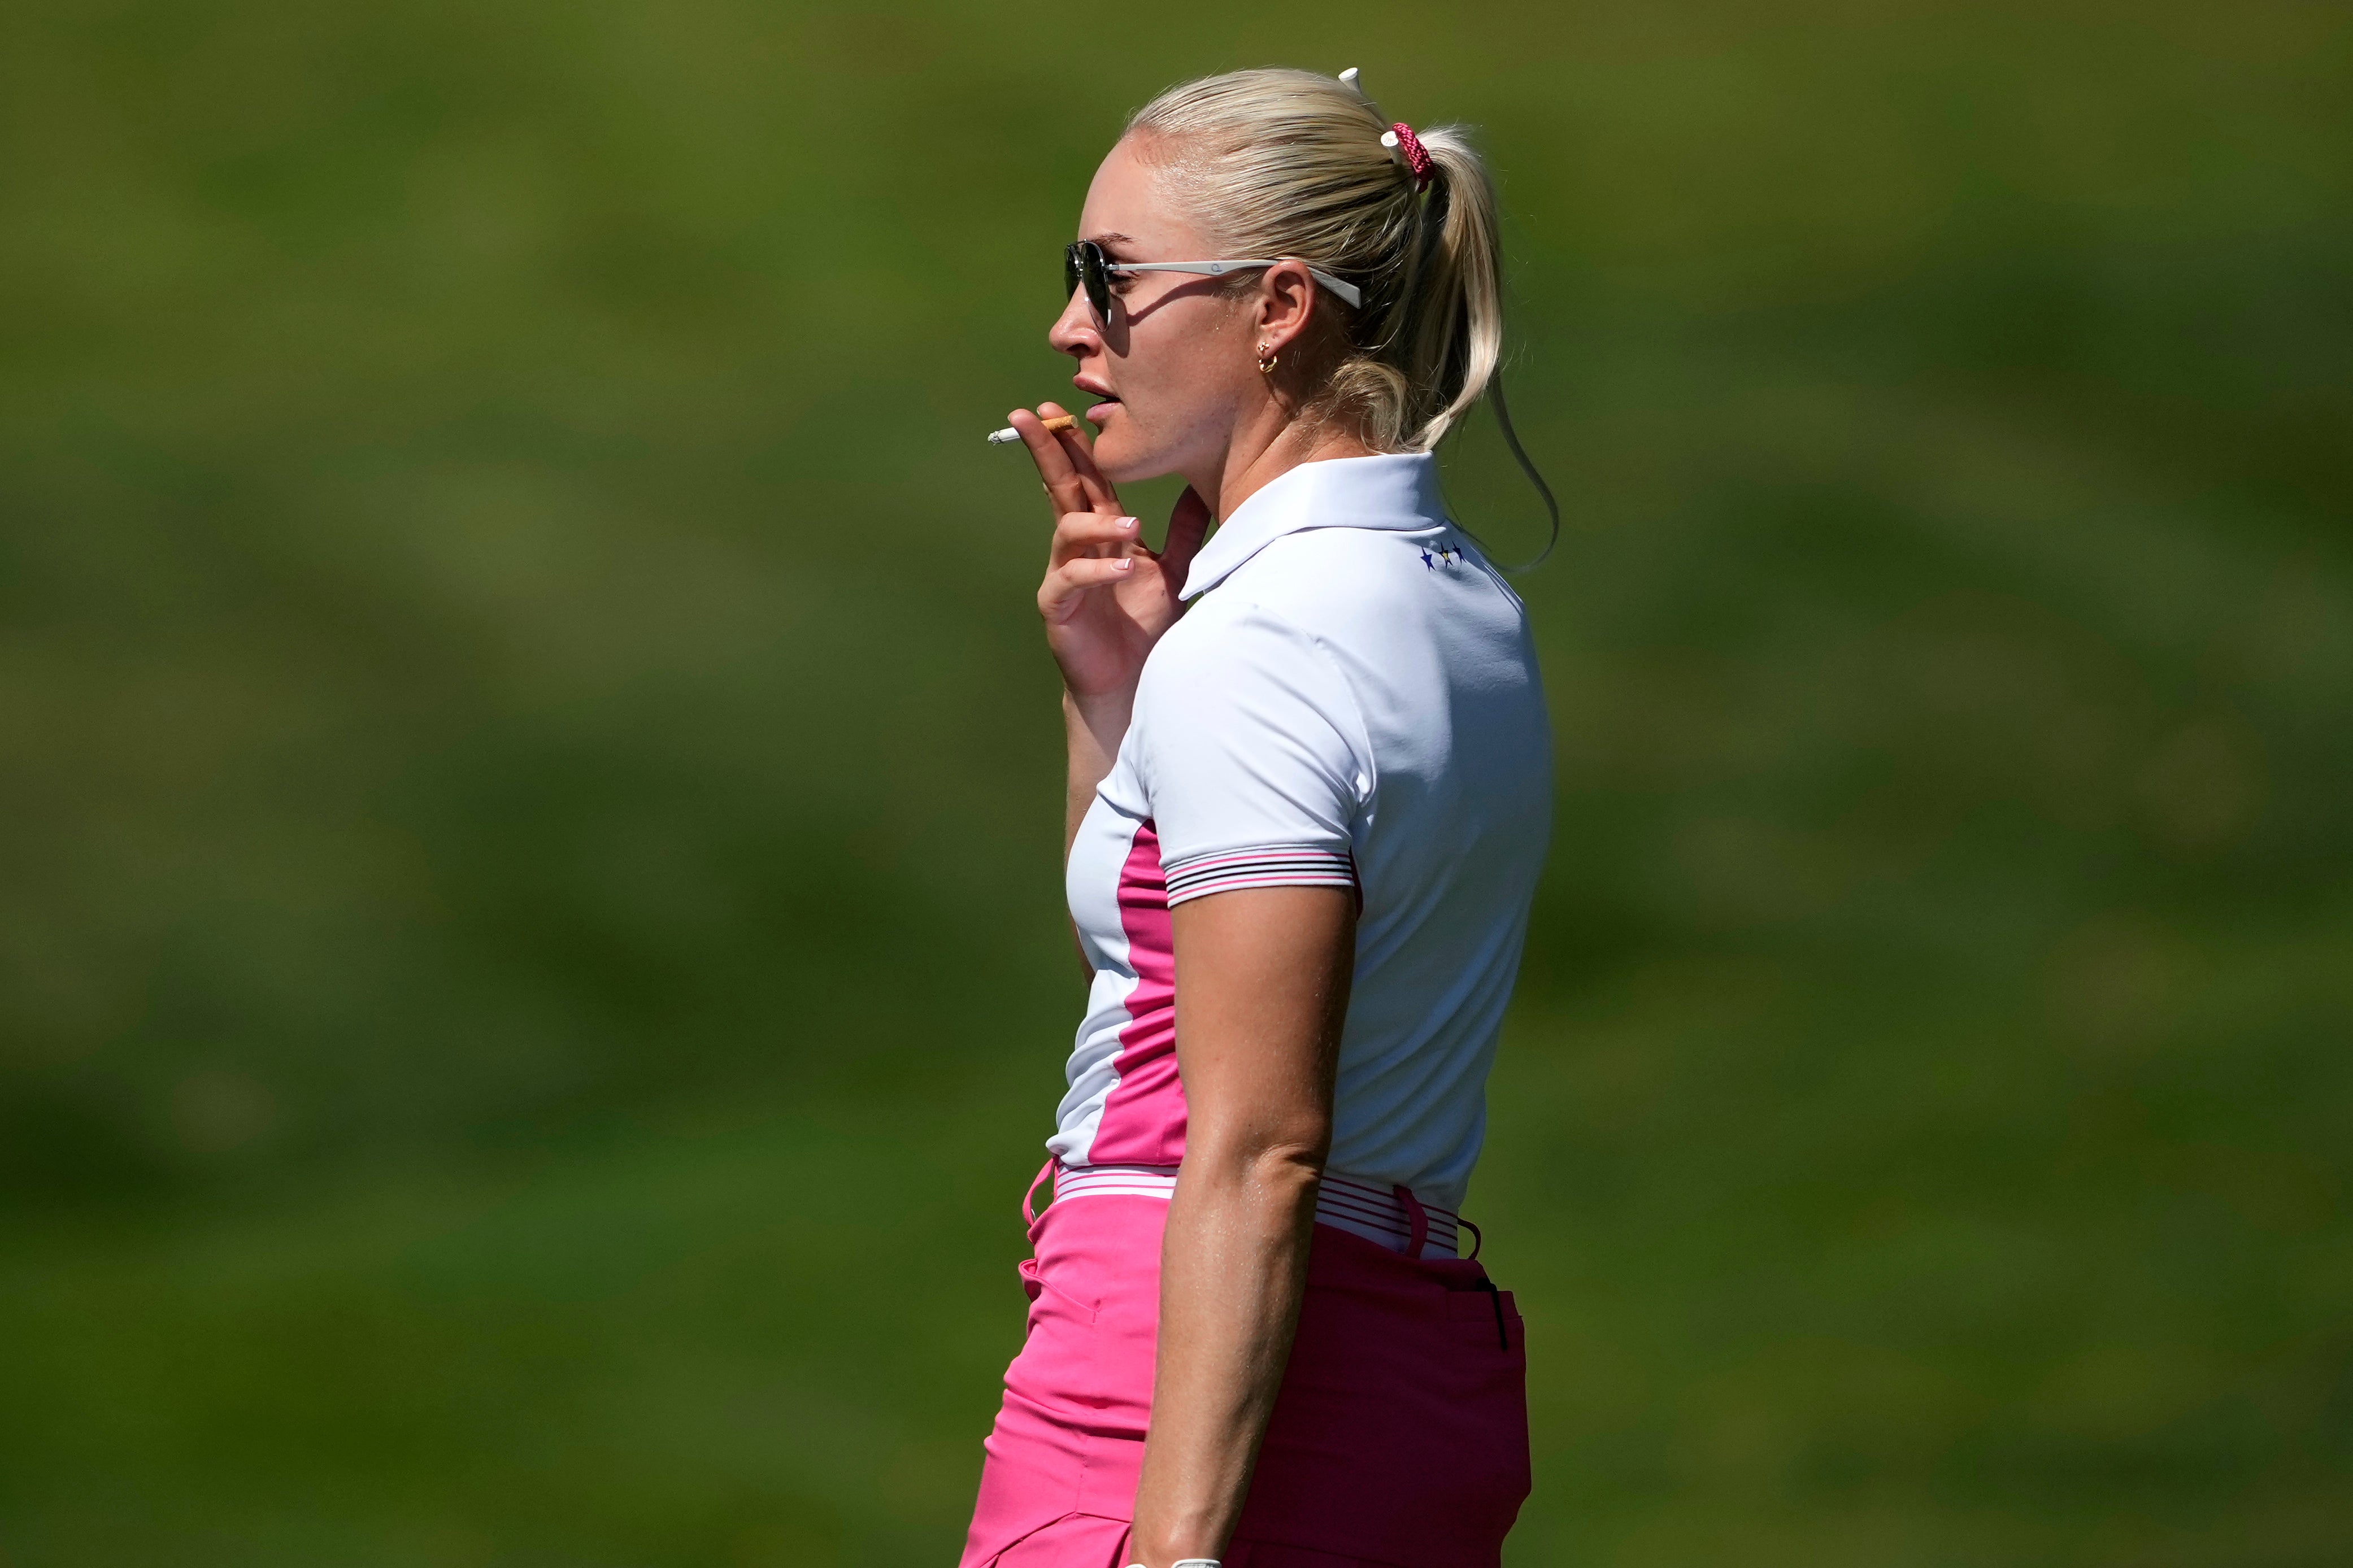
(1178, 373)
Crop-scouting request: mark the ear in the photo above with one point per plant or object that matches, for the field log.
(1286, 304)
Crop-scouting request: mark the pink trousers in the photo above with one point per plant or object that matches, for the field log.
(1399, 1438)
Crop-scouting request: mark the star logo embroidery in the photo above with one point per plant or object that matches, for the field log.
(1428, 564)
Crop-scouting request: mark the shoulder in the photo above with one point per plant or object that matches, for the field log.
(1226, 633)
(1240, 663)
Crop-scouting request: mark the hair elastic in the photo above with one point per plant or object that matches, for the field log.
(1406, 148)
(1403, 144)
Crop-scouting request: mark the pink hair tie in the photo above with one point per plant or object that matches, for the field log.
(1417, 157)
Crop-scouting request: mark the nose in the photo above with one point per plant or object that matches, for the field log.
(1074, 331)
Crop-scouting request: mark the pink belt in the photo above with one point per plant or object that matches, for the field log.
(1389, 1216)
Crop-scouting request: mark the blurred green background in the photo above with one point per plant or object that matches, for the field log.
(529, 952)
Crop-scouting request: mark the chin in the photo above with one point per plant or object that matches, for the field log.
(1122, 458)
(1126, 455)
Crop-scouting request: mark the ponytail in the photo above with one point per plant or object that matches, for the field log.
(1287, 162)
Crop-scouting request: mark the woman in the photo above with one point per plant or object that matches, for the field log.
(1309, 794)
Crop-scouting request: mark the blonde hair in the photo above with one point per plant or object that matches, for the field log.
(1291, 164)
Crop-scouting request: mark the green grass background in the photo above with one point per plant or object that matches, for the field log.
(530, 965)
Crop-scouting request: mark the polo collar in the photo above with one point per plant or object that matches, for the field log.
(1398, 491)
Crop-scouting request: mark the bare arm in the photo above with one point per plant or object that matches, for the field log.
(1261, 993)
(1106, 598)
(1094, 728)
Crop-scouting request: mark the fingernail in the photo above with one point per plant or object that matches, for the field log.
(1127, 522)
(1126, 562)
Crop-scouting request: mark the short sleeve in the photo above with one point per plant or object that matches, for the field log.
(1250, 755)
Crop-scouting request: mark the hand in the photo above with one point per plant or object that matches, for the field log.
(1106, 598)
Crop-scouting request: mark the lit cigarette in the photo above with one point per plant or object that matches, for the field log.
(1008, 436)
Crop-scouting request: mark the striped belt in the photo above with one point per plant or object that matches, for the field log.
(1381, 1215)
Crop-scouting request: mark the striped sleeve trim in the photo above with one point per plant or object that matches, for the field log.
(1278, 866)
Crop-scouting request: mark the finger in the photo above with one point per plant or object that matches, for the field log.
(1081, 534)
(1053, 461)
(1078, 443)
(1188, 526)
(1078, 454)
(1067, 584)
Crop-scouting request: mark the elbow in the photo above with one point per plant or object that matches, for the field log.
(1272, 1159)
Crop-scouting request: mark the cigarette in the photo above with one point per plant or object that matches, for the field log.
(1008, 436)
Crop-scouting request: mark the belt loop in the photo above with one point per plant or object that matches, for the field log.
(1419, 1215)
(1028, 1213)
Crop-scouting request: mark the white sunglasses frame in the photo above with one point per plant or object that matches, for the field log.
(1350, 295)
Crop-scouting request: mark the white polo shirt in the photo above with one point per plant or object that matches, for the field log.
(1351, 700)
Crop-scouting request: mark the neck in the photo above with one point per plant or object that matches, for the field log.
(1263, 448)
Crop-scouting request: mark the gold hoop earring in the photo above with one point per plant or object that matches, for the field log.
(1267, 362)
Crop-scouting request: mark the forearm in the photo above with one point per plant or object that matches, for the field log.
(1233, 1269)
(1093, 727)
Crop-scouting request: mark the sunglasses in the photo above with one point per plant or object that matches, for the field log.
(1084, 265)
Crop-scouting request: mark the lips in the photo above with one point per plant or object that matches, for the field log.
(1107, 399)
